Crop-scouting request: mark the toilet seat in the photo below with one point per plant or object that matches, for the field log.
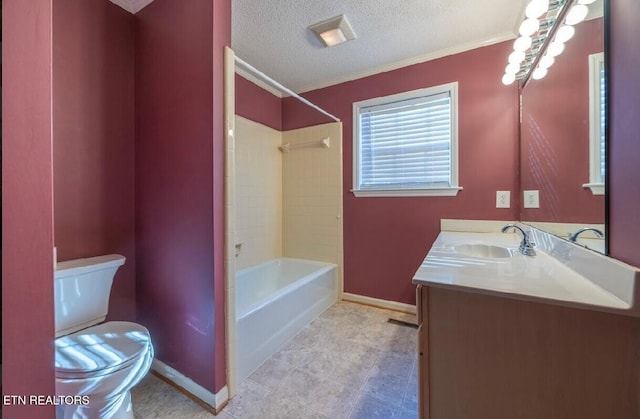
(100, 350)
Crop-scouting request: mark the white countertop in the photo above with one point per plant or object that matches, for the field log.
(547, 277)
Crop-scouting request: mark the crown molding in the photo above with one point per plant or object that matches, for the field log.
(380, 69)
(410, 61)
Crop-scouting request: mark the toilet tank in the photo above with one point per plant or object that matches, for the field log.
(81, 291)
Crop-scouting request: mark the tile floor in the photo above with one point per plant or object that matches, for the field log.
(349, 363)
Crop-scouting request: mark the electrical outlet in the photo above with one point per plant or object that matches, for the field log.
(503, 199)
(531, 199)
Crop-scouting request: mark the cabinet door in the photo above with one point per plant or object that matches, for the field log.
(498, 358)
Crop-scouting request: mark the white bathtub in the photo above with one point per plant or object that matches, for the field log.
(274, 301)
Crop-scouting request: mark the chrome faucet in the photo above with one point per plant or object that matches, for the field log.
(526, 245)
(574, 237)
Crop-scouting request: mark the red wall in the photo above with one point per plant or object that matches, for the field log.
(624, 129)
(386, 239)
(257, 104)
(555, 134)
(179, 189)
(27, 206)
(93, 138)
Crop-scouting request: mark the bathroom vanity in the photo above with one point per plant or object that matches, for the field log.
(504, 335)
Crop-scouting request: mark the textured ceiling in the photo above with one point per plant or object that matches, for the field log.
(272, 35)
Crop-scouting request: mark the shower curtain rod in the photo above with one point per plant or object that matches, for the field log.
(280, 87)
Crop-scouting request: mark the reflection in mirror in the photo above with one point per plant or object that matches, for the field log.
(562, 139)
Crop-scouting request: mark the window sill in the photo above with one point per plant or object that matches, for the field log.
(596, 188)
(452, 191)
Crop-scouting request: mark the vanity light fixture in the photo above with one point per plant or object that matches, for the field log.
(508, 78)
(522, 44)
(547, 26)
(565, 33)
(516, 57)
(512, 68)
(546, 61)
(555, 48)
(536, 8)
(529, 26)
(577, 14)
(333, 31)
(539, 73)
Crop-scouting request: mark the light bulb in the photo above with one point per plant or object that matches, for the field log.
(523, 43)
(565, 33)
(529, 26)
(546, 62)
(586, 1)
(508, 78)
(512, 68)
(516, 57)
(555, 48)
(536, 8)
(576, 14)
(539, 73)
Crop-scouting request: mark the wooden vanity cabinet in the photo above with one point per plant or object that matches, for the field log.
(487, 357)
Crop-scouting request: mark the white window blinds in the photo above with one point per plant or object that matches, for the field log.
(407, 141)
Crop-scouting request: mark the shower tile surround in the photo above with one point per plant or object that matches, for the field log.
(312, 196)
(288, 204)
(349, 363)
(258, 164)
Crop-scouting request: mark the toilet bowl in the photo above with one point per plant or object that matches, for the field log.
(96, 363)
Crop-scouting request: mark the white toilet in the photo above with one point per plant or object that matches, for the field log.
(97, 362)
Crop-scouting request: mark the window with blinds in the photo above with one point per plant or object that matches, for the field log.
(406, 144)
(597, 121)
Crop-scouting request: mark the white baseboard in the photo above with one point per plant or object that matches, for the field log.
(214, 400)
(376, 302)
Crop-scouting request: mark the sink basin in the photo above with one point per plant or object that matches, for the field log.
(483, 251)
(562, 273)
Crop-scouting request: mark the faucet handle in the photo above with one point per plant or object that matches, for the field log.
(528, 249)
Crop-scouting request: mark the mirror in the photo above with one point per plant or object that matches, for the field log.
(562, 139)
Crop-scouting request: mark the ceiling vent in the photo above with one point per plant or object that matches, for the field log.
(333, 31)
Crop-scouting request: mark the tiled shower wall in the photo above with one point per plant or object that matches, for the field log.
(258, 183)
(312, 192)
(288, 204)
